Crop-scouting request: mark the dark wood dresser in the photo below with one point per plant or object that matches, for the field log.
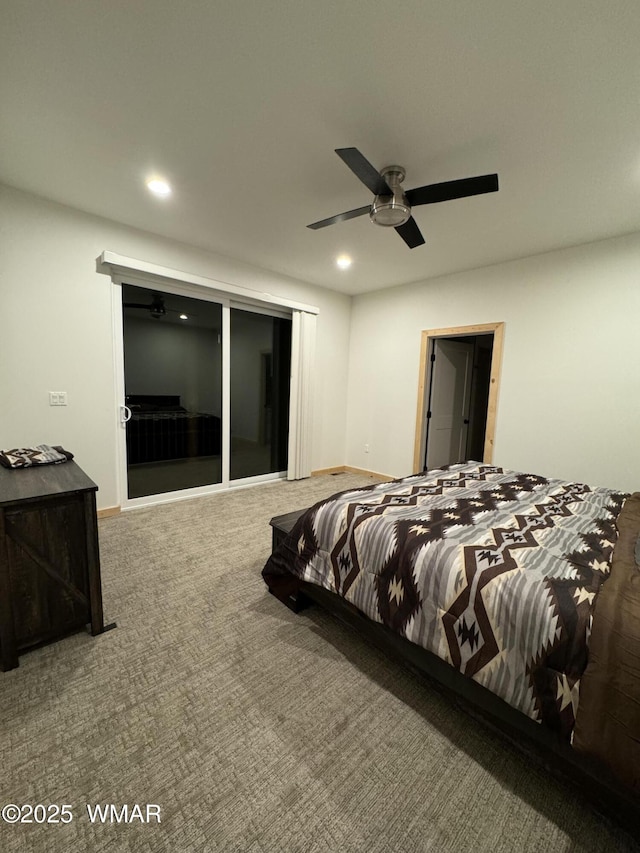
(49, 559)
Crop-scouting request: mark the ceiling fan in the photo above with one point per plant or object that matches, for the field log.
(156, 307)
(392, 205)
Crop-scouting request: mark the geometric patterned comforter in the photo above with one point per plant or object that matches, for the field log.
(493, 571)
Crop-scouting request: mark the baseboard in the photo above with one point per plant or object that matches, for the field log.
(348, 469)
(108, 511)
(387, 478)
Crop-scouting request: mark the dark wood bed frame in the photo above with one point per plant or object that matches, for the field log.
(594, 781)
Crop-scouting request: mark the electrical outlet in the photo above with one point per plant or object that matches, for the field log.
(366, 448)
(57, 398)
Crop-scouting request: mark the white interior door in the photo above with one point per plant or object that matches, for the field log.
(449, 402)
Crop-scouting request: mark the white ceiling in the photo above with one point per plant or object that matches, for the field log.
(241, 105)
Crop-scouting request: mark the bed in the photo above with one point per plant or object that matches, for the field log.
(516, 592)
(161, 429)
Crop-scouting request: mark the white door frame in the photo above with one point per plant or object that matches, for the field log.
(427, 338)
(118, 336)
(122, 269)
(194, 292)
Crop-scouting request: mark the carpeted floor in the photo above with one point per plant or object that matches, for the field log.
(252, 728)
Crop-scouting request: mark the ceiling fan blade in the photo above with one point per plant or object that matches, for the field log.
(453, 189)
(136, 305)
(363, 169)
(340, 217)
(410, 233)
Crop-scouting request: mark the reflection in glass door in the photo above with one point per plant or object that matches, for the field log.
(173, 388)
(260, 367)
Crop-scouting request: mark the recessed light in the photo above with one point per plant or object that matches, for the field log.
(183, 317)
(159, 187)
(343, 261)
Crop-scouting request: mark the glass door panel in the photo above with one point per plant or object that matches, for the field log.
(173, 388)
(260, 367)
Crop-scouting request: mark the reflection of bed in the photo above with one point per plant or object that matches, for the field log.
(161, 429)
(487, 580)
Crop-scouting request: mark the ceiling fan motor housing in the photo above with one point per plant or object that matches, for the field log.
(157, 308)
(391, 210)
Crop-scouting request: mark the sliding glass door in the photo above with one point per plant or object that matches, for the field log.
(260, 372)
(200, 411)
(173, 391)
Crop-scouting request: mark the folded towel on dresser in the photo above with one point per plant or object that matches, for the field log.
(41, 454)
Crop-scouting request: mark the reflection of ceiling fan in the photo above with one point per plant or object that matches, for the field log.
(391, 206)
(156, 307)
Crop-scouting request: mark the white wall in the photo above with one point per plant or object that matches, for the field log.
(57, 335)
(570, 393)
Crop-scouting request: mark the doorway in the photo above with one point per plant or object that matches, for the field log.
(457, 395)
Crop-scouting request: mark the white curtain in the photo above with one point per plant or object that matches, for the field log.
(303, 350)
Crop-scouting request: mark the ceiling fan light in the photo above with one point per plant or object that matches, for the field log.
(390, 210)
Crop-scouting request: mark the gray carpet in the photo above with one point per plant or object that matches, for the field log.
(254, 729)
